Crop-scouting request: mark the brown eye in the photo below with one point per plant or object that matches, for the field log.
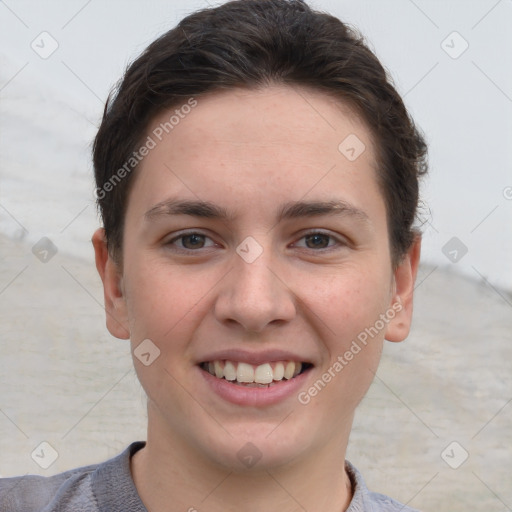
(317, 241)
(192, 241)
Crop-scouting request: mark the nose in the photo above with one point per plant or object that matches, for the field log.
(255, 295)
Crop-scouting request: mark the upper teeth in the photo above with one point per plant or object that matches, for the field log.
(247, 373)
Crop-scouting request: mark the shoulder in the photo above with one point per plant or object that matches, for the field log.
(364, 500)
(77, 490)
(384, 503)
(32, 493)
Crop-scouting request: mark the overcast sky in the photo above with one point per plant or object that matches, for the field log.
(58, 61)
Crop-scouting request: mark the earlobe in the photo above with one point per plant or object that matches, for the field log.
(115, 303)
(402, 300)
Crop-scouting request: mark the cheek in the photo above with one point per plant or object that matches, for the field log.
(164, 303)
(348, 301)
(155, 300)
(162, 307)
(348, 306)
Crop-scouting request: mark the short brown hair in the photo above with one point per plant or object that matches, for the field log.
(255, 43)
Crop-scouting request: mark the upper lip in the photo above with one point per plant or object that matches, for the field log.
(256, 358)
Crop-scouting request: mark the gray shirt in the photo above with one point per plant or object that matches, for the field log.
(109, 487)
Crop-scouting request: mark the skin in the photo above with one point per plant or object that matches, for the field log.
(251, 151)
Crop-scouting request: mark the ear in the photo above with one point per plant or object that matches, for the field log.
(402, 301)
(115, 303)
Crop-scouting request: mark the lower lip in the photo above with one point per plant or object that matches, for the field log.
(256, 397)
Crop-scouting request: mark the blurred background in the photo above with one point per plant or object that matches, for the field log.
(435, 429)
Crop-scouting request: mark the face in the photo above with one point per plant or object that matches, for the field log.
(254, 245)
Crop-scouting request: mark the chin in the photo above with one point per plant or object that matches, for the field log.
(257, 447)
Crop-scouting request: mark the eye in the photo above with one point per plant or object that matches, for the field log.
(190, 241)
(319, 240)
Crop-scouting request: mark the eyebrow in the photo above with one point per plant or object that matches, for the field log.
(290, 210)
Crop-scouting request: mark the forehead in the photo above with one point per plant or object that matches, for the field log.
(247, 145)
(277, 117)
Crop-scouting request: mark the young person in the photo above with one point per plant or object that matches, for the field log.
(257, 176)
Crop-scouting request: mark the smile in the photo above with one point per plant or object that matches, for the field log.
(248, 375)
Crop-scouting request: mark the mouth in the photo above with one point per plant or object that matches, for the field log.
(264, 375)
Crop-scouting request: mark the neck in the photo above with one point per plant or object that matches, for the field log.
(171, 476)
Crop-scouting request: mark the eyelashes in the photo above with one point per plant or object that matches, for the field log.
(315, 237)
(193, 238)
(195, 241)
